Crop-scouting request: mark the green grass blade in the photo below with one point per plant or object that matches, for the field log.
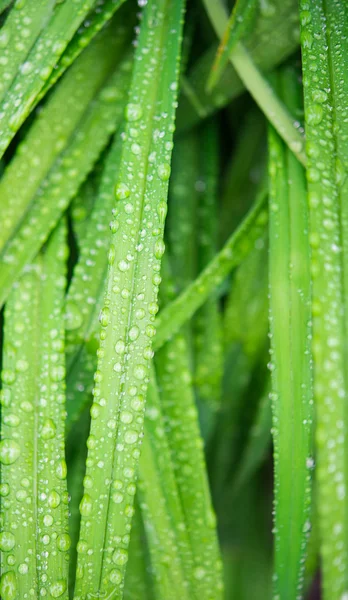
(89, 274)
(138, 582)
(34, 539)
(130, 302)
(64, 180)
(161, 508)
(82, 207)
(322, 24)
(40, 60)
(291, 361)
(193, 297)
(240, 21)
(54, 128)
(258, 86)
(18, 34)
(208, 325)
(4, 4)
(93, 23)
(274, 38)
(186, 445)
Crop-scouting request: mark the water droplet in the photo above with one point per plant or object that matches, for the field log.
(131, 436)
(86, 505)
(126, 417)
(53, 499)
(122, 191)
(7, 541)
(133, 112)
(48, 430)
(9, 451)
(61, 470)
(8, 586)
(134, 333)
(63, 542)
(115, 576)
(120, 556)
(164, 171)
(139, 372)
(58, 588)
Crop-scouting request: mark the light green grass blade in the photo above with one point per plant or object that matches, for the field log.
(138, 582)
(54, 128)
(208, 325)
(258, 86)
(93, 23)
(39, 61)
(274, 38)
(291, 359)
(88, 281)
(322, 24)
(193, 297)
(130, 302)
(64, 180)
(34, 508)
(181, 419)
(82, 207)
(239, 23)
(159, 498)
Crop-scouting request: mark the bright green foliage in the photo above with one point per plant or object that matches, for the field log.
(324, 41)
(240, 21)
(291, 358)
(63, 180)
(130, 304)
(34, 538)
(82, 207)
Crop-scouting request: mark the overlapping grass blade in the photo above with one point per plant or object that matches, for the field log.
(239, 23)
(324, 43)
(193, 297)
(88, 29)
(34, 540)
(138, 582)
(130, 303)
(274, 38)
(40, 55)
(258, 85)
(64, 179)
(82, 207)
(291, 360)
(54, 128)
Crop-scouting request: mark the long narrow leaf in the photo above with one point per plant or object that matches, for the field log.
(34, 508)
(130, 302)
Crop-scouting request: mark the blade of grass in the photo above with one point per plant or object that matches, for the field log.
(64, 180)
(88, 29)
(34, 507)
(258, 86)
(193, 297)
(82, 207)
(54, 128)
(88, 281)
(138, 583)
(291, 359)
(274, 38)
(130, 301)
(40, 60)
(239, 22)
(208, 326)
(322, 24)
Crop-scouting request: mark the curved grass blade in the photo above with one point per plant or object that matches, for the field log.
(54, 128)
(34, 540)
(291, 361)
(130, 302)
(82, 207)
(258, 86)
(239, 23)
(193, 297)
(208, 330)
(40, 60)
(322, 25)
(88, 29)
(63, 181)
(273, 39)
